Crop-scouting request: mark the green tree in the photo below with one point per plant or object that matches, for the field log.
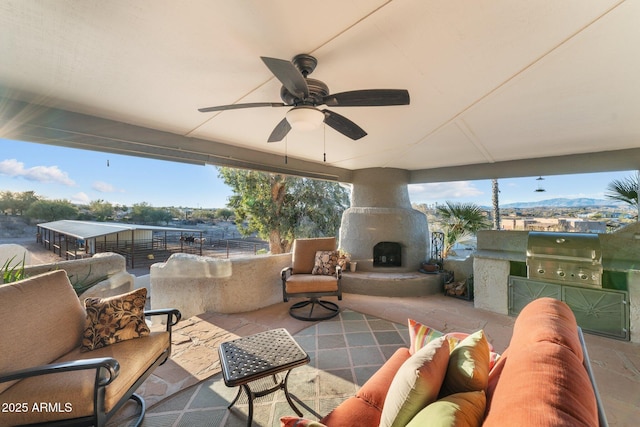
(24, 200)
(17, 203)
(224, 213)
(495, 202)
(203, 214)
(161, 216)
(7, 202)
(458, 221)
(624, 190)
(280, 208)
(52, 210)
(143, 213)
(101, 210)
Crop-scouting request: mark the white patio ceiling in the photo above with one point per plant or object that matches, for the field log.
(498, 87)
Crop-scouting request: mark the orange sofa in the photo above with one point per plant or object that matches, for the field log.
(544, 378)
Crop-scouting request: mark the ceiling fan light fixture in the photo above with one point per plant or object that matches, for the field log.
(305, 117)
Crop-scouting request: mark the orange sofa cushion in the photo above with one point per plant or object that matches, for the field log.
(547, 319)
(540, 379)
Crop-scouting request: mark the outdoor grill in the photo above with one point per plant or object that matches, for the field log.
(567, 258)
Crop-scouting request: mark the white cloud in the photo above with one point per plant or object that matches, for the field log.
(80, 198)
(46, 174)
(103, 187)
(442, 191)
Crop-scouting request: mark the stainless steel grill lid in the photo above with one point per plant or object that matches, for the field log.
(574, 258)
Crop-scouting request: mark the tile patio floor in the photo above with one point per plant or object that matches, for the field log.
(616, 364)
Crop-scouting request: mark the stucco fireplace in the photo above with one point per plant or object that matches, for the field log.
(381, 212)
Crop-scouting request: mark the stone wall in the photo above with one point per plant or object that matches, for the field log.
(108, 266)
(14, 255)
(196, 284)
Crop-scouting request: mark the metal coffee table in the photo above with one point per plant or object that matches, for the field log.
(258, 356)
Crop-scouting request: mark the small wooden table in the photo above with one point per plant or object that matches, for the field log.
(258, 356)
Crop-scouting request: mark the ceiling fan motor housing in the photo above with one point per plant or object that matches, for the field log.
(305, 63)
(317, 91)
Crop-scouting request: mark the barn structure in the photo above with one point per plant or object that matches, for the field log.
(141, 245)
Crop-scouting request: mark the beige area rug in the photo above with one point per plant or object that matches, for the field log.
(345, 351)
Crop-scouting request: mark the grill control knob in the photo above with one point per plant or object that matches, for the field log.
(541, 271)
(583, 276)
(561, 273)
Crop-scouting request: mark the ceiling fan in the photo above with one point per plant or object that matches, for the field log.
(305, 95)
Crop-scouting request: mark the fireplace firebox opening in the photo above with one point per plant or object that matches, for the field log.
(387, 254)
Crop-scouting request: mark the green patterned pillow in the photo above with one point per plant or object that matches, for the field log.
(458, 410)
(114, 319)
(468, 368)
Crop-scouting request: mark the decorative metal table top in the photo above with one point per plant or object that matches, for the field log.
(257, 356)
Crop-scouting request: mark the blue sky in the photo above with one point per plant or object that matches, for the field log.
(82, 176)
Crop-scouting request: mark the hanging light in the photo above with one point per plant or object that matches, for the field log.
(305, 117)
(540, 189)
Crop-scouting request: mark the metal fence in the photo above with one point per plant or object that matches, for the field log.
(229, 247)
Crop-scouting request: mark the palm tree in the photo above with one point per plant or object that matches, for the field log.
(624, 190)
(460, 220)
(496, 204)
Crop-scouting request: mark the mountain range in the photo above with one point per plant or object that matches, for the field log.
(564, 202)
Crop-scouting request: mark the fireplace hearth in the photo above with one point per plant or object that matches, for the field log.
(387, 254)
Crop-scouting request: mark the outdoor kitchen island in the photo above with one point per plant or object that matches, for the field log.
(609, 306)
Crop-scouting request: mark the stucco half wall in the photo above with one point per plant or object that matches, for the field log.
(196, 284)
(14, 255)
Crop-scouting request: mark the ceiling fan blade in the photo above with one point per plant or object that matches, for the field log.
(368, 98)
(280, 131)
(239, 106)
(288, 75)
(343, 125)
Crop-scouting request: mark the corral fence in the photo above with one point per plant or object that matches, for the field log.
(229, 247)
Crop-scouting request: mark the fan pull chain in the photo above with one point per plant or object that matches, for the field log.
(286, 140)
(324, 141)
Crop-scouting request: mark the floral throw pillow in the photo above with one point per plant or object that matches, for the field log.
(325, 263)
(114, 319)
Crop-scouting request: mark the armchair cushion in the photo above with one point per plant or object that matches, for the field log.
(305, 283)
(74, 390)
(304, 253)
(325, 263)
(38, 305)
(114, 319)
